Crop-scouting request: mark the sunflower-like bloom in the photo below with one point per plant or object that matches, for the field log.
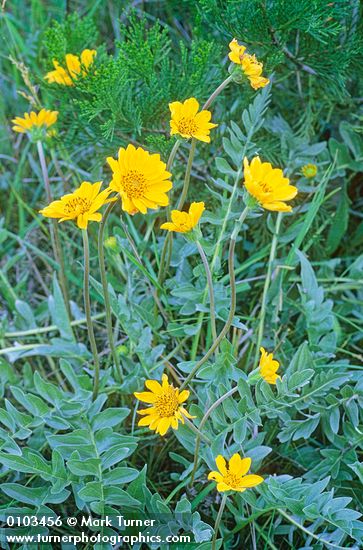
(75, 67)
(187, 122)
(81, 205)
(166, 410)
(141, 179)
(232, 477)
(183, 222)
(269, 367)
(268, 185)
(251, 67)
(309, 170)
(31, 121)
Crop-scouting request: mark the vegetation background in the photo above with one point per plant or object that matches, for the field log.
(61, 453)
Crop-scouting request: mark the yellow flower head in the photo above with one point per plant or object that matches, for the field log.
(166, 409)
(81, 205)
(183, 222)
(75, 67)
(237, 52)
(31, 121)
(268, 185)
(187, 122)
(233, 477)
(268, 367)
(251, 67)
(309, 170)
(140, 178)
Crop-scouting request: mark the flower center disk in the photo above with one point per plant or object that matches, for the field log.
(167, 403)
(77, 205)
(232, 480)
(134, 184)
(187, 126)
(266, 187)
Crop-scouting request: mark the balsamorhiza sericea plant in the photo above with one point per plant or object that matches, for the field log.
(142, 180)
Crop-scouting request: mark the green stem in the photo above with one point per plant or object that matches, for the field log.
(217, 91)
(201, 426)
(164, 265)
(216, 252)
(164, 260)
(87, 308)
(106, 295)
(307, 531)
(197, 431)
(56, 245)
(218, 521)
(50, 328)
(154, 291)
(211, 291)
(173, 152)
(188, 171)
(232, 309)
(266, 287)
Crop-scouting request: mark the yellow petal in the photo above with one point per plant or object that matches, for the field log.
(215, 476)
(276, 206)
(146, 420)
(169, 226)
(196, 210)
(146, 397)
(183, 396)
(87, 57)
(154, 386)
(222, 487)
(221, 465)
(250, 481)
(82, 221)
(185, 413)
(164, 425)
(174, 423)
(191, 107)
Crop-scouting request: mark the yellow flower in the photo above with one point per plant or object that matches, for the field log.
(233, 477)
(237, 52)
(309, 170)
(187, 122)
(75, 67)
(251, 67)
(81, 205)
(268, 185)
(140, 178)
(182, 222)
(167, 408)
(268, 367)
(44, 119)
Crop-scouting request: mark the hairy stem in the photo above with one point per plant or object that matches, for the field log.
(197, 431)
(307, 531)
(168, 243)
(164, 261)
(232, 309)
(219, 244)
(201, 426)
(87, 308)
(217, 91)
(54, 231)
(211, 291)
(106, 295)
(188, 171)
(218, 521)
(173, 152)
(266, 287)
